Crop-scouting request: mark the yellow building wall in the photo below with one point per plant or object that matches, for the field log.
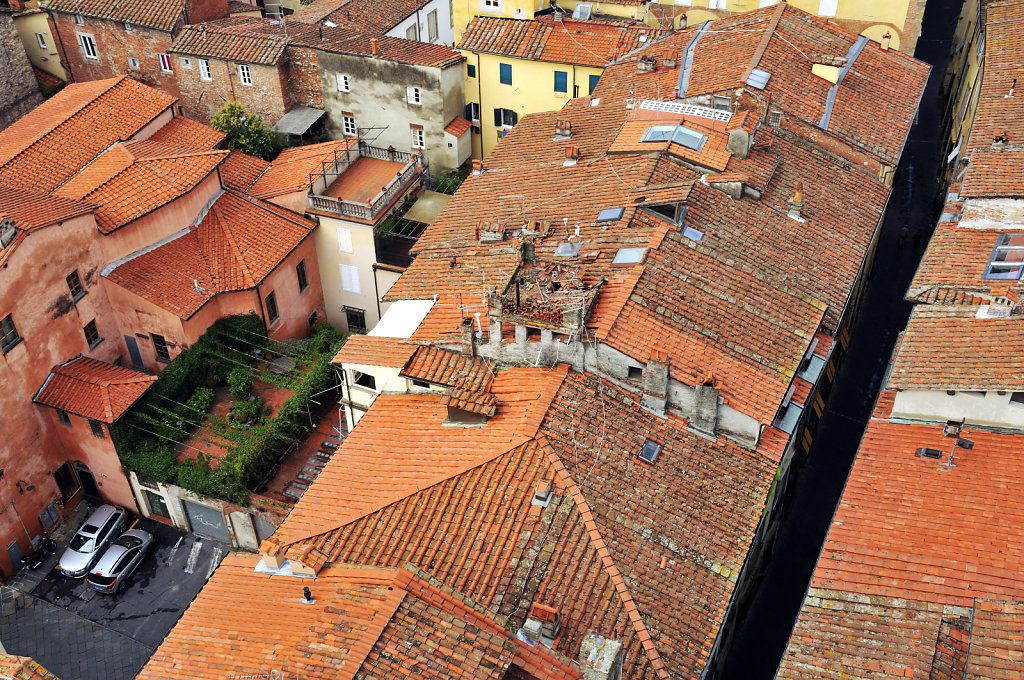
(532, 91)
(872, 18)
(28, 24)
(964, 72)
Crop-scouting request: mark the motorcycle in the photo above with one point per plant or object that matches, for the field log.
(46, 548)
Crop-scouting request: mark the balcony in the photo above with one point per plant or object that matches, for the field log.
(362, 182)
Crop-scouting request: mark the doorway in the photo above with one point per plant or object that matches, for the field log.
(85, 475)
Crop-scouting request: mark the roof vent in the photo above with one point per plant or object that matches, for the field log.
(670, 60)
(650, 451)
(7, 232)
(563, 129)
(542, 493)
(758, 78)
(645, 65)
(568, 249)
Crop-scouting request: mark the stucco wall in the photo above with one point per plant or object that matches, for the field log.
(445, 27)
(45, 58)
(331, 258)
(991, 408)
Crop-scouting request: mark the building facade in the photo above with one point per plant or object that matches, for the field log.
(19, 89)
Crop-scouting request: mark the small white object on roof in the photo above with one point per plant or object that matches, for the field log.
(629, 255)
(402, 318)
(758, 78)
(687, 110)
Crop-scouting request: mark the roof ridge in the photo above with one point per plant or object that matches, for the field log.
(601, 547)
(232, 241)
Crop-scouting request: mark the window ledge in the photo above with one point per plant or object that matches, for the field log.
(11, 346)
(76, 298)
(96, 344)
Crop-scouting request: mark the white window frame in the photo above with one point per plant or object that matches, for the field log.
(343, 82)
(41, 40)
(413, 95)
(474, 112)
(432, 32)
(349, 127)
(350, 279)
(244, 75)
(490, 5)
(133, 62)
(87, 42)
(186, 62)
(79, 19)
(413, 32)
(166, 65)
(419, 139)
(717, 4)
(344, 239)
(828, 8)
(204, 70)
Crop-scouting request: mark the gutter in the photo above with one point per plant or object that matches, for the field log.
(830, 99)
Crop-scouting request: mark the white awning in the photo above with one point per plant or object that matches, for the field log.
(402, 318)
(298, 120)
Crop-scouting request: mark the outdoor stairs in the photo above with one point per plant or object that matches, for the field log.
(316, 462)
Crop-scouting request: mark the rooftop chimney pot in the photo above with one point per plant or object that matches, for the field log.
(374, 46)
(600, 657)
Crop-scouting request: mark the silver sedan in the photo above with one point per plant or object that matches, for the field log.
(113, 569)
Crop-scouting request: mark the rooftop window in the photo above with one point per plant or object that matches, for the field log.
(678, 134)
(610, 214)
(650, 451)
(629, 255)
(1007, 261)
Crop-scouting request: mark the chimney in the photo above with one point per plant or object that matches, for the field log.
(654, 383)
(1013, 86)
(572, 156)
(478, 166)
(527, 250)
(796, 203)
(374, 48)
(468, 344)
(563, 128)
(645, 65)
(885, 41)
(531, 630)
(600, 657)
(670, 60)
(705, 408)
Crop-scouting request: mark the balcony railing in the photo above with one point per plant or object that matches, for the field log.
(319, 182)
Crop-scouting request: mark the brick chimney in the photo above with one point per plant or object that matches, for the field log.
(468, 344)
(654, 383)
(704, 418)
(796, 203)
(478, 166)
(374, 46)
(563, 128)
(600, 657)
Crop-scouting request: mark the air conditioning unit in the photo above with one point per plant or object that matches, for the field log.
(582, 11)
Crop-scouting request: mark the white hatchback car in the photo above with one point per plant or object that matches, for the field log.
(103, 525)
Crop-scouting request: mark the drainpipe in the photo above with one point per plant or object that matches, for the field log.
(480, 98)
(20, 521)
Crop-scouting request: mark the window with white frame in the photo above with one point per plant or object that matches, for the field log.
(413, 32)
(343, 85)
(473, 112)
(412, 95)
(350, 279)
(41, 40)
(717, 4)
(1007, 260)
(79, 19)
(827, 8)
(490, 5)
(133, 62)
(88, 45)
(344, 239)
(432, 25)
(243, 74)
(186, 62)
(417, 137)
(204, 70)
(165, 63)
(349, 126)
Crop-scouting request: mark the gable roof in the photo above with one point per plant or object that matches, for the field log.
(93, 389)
(374, 350)
(51, 143)
(365, 621)
(227, 39)
(240, 170)
(160, 14)
(367, 16)
(564, 41)
(238, 243)
(182, 131)
(131, 179)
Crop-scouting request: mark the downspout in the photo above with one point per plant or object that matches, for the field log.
(480, 98)
(66, 63)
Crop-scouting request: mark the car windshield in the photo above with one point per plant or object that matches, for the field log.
(128, 541)
(81, 543)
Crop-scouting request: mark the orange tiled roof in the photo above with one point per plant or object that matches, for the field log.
(458, 127)
(93, 389)
(954, 350)
(292, 169)
(994, 174)
(366, 16)
(30, 210)
(51, 143)
(134, 178)
(373, 350)
(182, 131)
(46, 79)
(365, 621)
(565, 41)
(602, 574)
(237, 245)
(161, 14)
(239, 171)
(227, 39)
(23, 668)
(954, 263)
(451, 369)
(998, 114)
(362, 181)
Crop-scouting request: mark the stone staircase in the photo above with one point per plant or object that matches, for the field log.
(314, 465)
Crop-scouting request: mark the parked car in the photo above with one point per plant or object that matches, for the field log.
(86, 545)
(113, 569)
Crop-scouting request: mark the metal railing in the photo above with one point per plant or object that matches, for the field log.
(414, 164)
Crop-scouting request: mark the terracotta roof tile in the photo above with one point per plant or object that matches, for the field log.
(372, 350)
(994, 174)
(227, 39)
(51, 143)
(239, 242)
(239, 171)
(458, 127)
(997, 114)
(996, 643)
(291, 171)
(366, 16)
(954, 350)
(565, 41)
(451, 369)
(93, 389)
(161, 14)
(23, 668)
(181, 131)
(30, 210)
(45, 79)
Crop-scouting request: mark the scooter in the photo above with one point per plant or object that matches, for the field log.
(46, 548)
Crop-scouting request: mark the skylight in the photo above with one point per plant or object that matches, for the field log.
(650, 451)
(758, 78)
(568, 249)
(691, 139)
(1007, 260)
(610, 214)
(629, 255)
(693, 234)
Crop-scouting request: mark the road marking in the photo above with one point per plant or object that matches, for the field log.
(170, 556)
(217, 552)
(193, 557)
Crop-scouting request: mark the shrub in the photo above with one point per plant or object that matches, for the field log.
(325, 338)
(240, 383)
(156, 461)
(245, 410)
(246, 131)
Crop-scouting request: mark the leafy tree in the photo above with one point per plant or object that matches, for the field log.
(246, 132)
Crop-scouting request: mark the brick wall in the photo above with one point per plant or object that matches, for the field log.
(267, 96)
(115, 46)
(304, 77)
(19, 91)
